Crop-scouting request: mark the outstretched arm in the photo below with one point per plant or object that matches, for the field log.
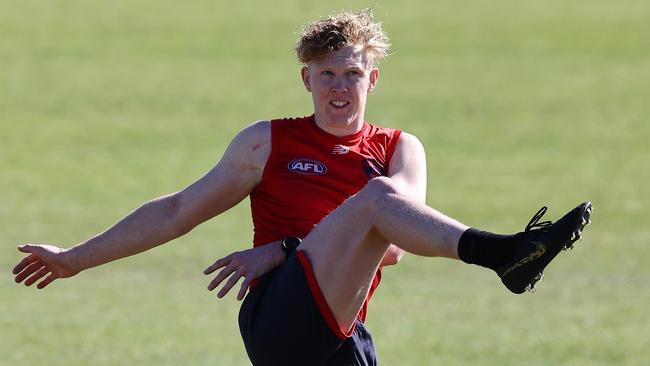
(161, 219)
(408, 168)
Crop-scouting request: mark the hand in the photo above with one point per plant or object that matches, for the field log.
(42, 260)
(250, 264)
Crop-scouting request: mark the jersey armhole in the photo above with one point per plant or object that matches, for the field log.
(390, 149)
(275, 142)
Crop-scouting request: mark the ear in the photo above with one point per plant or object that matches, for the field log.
(374, 78)
(304, 73)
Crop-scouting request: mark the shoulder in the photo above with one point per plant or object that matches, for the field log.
(407, 140)
(409, 152)
(252, 145)
(403, 137)
(256, 132)
(253, 137)
(383, 135)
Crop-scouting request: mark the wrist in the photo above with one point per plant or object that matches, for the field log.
(70, 258)
(278, 253)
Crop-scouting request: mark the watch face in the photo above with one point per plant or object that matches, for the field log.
(291, 242)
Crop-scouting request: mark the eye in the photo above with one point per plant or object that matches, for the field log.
(354, 73)
(326, 73)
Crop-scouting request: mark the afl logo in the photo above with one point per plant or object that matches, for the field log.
(307, 166)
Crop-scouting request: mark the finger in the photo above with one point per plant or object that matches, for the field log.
(244, 288)
(27, 248)
(24, 263)
(218, 264)
(46, 281)
(220, 277)
(37, 276)
(27, 271)
(229, 284)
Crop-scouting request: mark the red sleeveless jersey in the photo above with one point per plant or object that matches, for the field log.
(310, 172)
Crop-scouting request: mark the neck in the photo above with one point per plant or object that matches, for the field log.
(339, 129)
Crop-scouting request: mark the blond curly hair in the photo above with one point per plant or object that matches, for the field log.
(326, 35)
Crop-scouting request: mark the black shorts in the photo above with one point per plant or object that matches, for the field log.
(285, 321)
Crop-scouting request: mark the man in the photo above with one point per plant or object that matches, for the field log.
(348, 188)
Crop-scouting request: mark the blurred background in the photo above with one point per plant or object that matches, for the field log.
(104, 105)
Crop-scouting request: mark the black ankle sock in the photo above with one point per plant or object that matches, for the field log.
(486, 249)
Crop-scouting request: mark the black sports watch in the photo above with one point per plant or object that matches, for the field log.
(289, 245)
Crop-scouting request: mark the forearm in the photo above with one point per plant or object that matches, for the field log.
(150, 225)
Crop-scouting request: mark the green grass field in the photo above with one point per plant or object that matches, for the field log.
(104, 105)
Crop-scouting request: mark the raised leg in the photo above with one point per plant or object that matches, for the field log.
(345, 249)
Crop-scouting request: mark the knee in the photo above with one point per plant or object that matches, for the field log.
(382, 186)
(378, 189)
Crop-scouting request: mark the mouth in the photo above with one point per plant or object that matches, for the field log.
(339, 104)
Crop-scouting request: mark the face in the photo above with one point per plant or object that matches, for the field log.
(339, 84)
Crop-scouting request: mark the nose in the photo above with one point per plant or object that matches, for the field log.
(339, 85)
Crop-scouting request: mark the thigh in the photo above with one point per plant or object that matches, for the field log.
(345, 250)
(358, 350)
(282, 322)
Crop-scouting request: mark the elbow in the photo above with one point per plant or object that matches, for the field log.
(398, 255)
(172, 215)
(393, 256)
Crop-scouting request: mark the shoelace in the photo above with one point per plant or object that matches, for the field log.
(534, 223)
